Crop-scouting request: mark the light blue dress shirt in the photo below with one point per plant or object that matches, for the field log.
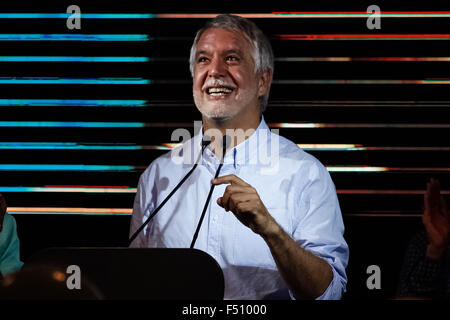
(294, 186)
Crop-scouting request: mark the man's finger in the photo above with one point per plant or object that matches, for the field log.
(230, 179)
(233, 189)
(229, 203)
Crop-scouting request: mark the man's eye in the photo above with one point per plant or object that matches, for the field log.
(201, 59)
(232, 58)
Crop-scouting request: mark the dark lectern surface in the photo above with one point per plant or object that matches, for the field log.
(135, 273)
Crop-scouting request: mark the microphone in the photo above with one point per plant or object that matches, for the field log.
(226, 140)
(205, 142)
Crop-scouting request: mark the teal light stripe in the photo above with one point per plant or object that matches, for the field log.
(64, 146)
(57, 124)
(82, 15)
(71, 59)
(74, 37)
(64, 167)
(73, 103)
(101, 81)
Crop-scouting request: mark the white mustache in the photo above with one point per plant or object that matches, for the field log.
(216, 83)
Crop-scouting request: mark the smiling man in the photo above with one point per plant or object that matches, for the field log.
(275, 235)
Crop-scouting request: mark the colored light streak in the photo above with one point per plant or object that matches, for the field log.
(72, 103)
(292, 125)
(69, 189)
(74, 37)
(125, 168)
(385, 214)
(71, 59)
(351, 59)
(358, 103)
(356, 169)
(65, 211)
(288, 125)
(69, 124)
(82, 15)
(270, 15)
(126, 189)
(88, 81)
(377, 82)
(364, 36)
(65, 146)
(312, 15)
(170, 146)
(359, 14)
(66, 167)
(384, 192)
(345, 168)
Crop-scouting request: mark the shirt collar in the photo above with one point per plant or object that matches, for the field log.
(243, 153)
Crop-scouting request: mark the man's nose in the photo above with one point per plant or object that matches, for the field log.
(217, 68)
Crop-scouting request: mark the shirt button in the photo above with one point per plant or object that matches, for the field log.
(215, 219)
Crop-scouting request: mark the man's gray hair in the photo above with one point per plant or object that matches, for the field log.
(262, 50)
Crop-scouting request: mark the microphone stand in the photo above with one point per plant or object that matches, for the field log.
(225, 142)
(205, 143)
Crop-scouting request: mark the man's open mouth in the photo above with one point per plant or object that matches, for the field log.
(219, 91)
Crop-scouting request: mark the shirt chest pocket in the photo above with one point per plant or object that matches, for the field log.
(250, 249)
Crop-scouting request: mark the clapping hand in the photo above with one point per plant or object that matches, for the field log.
(436, 220)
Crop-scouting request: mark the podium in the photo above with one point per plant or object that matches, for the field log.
(140, 273)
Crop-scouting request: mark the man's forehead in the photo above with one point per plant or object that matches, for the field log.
(223, 40)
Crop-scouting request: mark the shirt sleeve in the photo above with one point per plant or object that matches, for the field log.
(142, 207)
(9, 247)
(320, 228)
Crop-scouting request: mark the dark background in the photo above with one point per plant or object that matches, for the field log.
(378, 225)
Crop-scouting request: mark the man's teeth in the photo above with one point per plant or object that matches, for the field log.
(218, 91)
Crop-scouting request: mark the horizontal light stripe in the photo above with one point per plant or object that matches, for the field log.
(71, 59)
(82, 15)
(72, 103)
(358, 103)
(359, 147)
(68, 189)
(96, 81)
(276, 15)
(399, 214)
(83, 146)
(312, 15)
(356, 125)
(356, 169)
(401, 192)
(349, 59)
(61, 124)
(382, 169)
(54, 210)
(368, 81)
(124, 168)
(289, 125)
(133, 190)
(364, 36)
(65, 146)
(74, 37)
(170, 146)
(274, 103)
(65, 167)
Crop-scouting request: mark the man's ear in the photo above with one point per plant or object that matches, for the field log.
(265, 80)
